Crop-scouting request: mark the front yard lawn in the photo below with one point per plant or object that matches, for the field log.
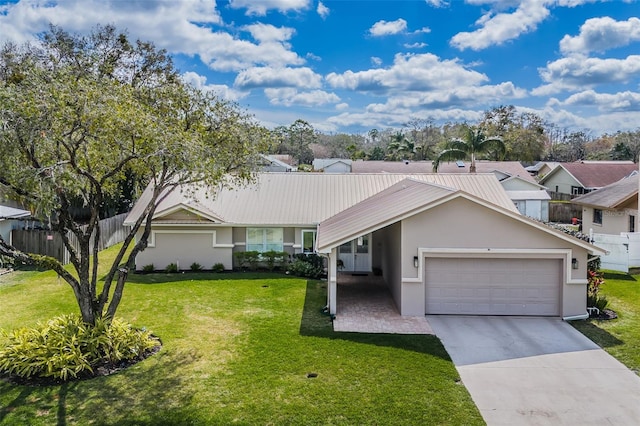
(238, 349)
(620, 337)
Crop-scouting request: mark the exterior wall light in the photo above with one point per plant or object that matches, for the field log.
(415, 261)
(574, 263)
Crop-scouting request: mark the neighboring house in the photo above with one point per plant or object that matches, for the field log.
(610, 217)
(582, 177)
(529, 197)
(332, 165)
(444, 243)
(542, 168)
(10, 220)
(271, 164)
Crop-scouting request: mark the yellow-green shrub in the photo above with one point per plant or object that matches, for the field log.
(65, 347)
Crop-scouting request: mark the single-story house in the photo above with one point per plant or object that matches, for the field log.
(332, 165)
(610, 217)
(582, 177)
(444, 243)
(10, 220)
(269, 163)
(530, 198)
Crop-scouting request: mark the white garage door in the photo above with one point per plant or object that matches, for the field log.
(475, 286)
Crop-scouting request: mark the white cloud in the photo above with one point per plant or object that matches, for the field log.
(419, 72)
(175, 26)
(278, 78)
(423, 30)
(622, 101)
(415, 45)
(579, 72)
(322, 10)
(376, 61)
(265, 33)
(383, 28)
(342, 106)
(261, 7)
(437, 3)
(222, 90)
(495, 29)
(600, 34)
(289, 97)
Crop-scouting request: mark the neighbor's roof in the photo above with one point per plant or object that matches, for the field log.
(13, 213)
(322, 163)
(309, 198)
(511, 168)
(595, 174)
(611, 196)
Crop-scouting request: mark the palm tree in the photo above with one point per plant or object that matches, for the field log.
(474, 143)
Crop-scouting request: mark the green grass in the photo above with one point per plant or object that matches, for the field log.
(237, 350)
(620, 337)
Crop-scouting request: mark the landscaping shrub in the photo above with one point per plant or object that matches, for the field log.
(195, 266)
(307, 265)
(595, 280)
(171, 268)
(275, 259)
(148, 268)
(218, 267)
(247, 259)
(66, 347)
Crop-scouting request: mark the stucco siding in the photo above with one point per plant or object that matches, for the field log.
(186, 246)
(613, 221)
(464, 225)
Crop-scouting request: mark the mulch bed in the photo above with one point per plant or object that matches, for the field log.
(605, 314)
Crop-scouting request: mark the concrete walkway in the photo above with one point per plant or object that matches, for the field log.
(538, 371)
(364, 305)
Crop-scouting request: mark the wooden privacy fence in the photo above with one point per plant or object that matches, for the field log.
(50, 244)
(564, 212)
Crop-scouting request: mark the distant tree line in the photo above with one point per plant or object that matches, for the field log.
(527, 138)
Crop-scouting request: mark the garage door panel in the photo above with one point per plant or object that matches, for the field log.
(493, 286)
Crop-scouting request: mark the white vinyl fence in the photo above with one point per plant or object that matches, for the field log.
(624, 250)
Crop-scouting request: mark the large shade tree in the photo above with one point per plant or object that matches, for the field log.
(81, 114)
(474, 143)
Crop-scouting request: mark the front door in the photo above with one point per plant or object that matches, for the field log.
(356, 255)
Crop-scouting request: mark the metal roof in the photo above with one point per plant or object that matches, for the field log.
(402, 199)
(299, 199)
(13, 213)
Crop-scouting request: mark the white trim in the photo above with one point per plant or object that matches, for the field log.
(576, 317)
(152, 237)
(191, 209)
(563, 254)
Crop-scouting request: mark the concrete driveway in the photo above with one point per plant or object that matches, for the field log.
(538, 371)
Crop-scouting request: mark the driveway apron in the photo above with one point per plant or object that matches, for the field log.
(538, 371)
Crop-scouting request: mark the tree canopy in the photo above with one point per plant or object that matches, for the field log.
(78, 115)
(474, 143)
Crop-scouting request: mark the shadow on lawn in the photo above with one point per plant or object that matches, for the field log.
(317, 324)
(135, 396)
(599, 336)
(620, 276)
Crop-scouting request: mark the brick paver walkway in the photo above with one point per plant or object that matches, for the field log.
(365, 306)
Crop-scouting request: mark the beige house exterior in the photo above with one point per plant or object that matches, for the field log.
(444, 243)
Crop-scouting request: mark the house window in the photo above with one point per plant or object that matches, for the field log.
(597, 216)
(265, 239)
(309, 241)
(632, 224)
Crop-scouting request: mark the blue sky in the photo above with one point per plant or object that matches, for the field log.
(350, 66)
